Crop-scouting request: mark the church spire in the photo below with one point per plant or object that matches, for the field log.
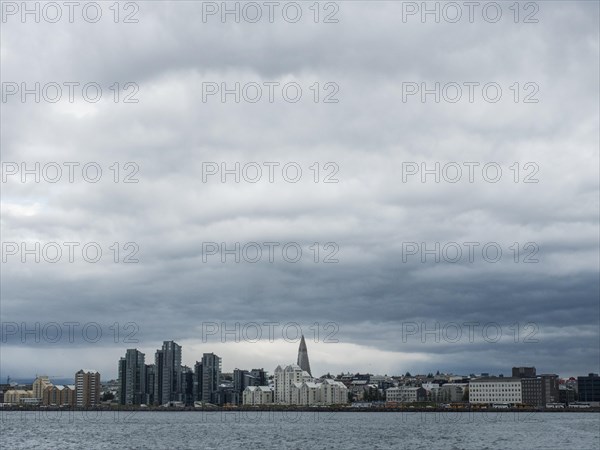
(303, 357)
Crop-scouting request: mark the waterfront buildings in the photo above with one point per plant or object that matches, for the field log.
(197, 382)
(405, 394)
(284, 378)
(150, 381)
(257, 395)
(588, 388)
(495, 390)
(39, 385)
(294, 386)
(87, 388)
(16, 396)
(132, 378)
(59, 395)
(167, 380)
(211, 377)
(537, 390)
(452, 392)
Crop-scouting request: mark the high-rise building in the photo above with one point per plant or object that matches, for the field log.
(211, 377)
(303, 357)
(167, 385)
(132, 378)
(187, 385)
(150, 383)
(588, 388)
(87, 388)
(197, 382)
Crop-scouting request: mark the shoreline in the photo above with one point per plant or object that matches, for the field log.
(117, 409)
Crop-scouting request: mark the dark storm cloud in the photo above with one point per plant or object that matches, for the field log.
(371, 293)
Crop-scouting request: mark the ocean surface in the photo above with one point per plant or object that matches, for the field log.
(298, 430)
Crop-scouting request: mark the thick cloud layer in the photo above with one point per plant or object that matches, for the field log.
(520, 175)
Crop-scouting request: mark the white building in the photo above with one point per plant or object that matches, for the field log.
(452, 392)
(405, 394)
(284, 379)
(495, 390)
(257, 395)
(333, 392)
(293, 386)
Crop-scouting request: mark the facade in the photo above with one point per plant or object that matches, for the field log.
(39, 385)
(150, 384)
(452, 392)
(259, 377)
(211, 377)
(540, 391)
(197, 382)
(294, 386)
(87, 388)
(532, 391)
(549, 389)
(244, 378)
(566, 394)
(495, 390)
(303, 361)
(588, 388)
(405, 394)
(167, 381)
(16, 396)
(59, 395)
(241, 380)
(187, 385)
(257, 395)
(132, 378)
(333, 392)
(283, 380)
(310, 393)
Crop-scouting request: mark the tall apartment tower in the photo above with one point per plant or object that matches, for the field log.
(211, 377)
(303, 357)
(197, 382)
(132, 378)
(150, 383)
(167, 382)
(87, 388)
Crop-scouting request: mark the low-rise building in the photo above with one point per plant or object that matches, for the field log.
(16, 396)
(495, 390)
(405, 394)
(452, 392)
(257, 395)
(59, 395)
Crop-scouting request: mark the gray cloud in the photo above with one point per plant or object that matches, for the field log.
(370, 293)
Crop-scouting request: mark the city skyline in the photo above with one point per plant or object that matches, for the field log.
(230, 366)
(499, 198)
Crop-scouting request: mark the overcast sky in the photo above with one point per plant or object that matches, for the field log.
(373, 221)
